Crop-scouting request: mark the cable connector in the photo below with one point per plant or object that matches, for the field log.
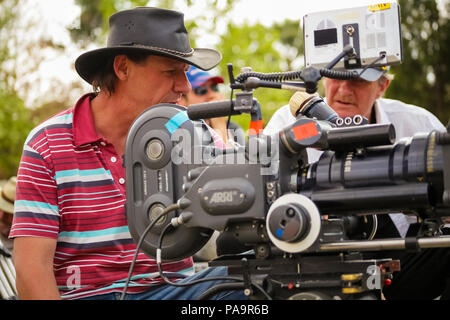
(158, 255)
(183, 218)
(183, 203)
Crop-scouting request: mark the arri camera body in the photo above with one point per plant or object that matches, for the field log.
(296, 229)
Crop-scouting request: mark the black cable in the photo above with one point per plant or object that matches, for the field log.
(141, 239)
(341, 75)
(275, 76)
(167, 281)
(297, 75)
(158, 262)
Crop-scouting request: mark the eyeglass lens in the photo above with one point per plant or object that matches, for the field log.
(202, 90)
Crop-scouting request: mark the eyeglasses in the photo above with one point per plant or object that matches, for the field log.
(202, 90)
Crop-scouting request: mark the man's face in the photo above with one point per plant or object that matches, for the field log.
(207, 92)
(352, 97)
(155, 80)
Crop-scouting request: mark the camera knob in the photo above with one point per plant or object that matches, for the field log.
(289, 222)
(293, 223)
(155, 149)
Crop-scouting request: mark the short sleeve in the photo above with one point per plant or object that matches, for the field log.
(36, 211)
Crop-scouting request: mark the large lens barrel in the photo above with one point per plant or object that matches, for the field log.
(408, 174)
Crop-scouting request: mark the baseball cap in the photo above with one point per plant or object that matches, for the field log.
(371, 74)
(198, 77)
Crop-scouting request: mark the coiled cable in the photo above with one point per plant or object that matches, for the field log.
(296, 75)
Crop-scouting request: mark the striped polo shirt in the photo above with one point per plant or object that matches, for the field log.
(71, 188)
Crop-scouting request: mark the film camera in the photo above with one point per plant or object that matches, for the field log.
(305, 224)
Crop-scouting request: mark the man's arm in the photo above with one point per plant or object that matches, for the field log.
(33, 261)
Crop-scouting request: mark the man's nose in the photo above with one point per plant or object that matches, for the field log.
(182, 84)
(344, 87)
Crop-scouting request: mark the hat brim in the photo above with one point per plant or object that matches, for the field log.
(370, 74)
(89, 62)
(214, 79)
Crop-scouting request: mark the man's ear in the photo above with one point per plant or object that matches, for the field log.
(383, 85)
(120, 65)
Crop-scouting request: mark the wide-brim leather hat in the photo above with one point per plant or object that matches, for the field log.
(146, 29)
(8, 195)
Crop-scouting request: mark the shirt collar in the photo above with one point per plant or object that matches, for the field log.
(380, 114)
(83, 122)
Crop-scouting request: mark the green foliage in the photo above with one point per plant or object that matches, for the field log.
(291, 37)
(8, 14)
(14, 117)
(423, 78)
(15, 125)
(253, 46)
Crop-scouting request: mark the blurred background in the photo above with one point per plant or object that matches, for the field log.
(40, 40)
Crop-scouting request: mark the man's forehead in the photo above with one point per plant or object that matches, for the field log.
(169, 61)
(358, 81)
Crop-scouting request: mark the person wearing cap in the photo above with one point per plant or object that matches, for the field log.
(7, 197)
(205, 88)
(364, 96)
(71, 237)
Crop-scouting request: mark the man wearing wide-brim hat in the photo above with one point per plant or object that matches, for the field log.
(70, 228)
(7, 197)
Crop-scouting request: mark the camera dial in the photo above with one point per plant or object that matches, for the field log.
(293, 223)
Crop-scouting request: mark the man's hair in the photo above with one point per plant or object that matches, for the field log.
(105, 78)
(387, 76)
